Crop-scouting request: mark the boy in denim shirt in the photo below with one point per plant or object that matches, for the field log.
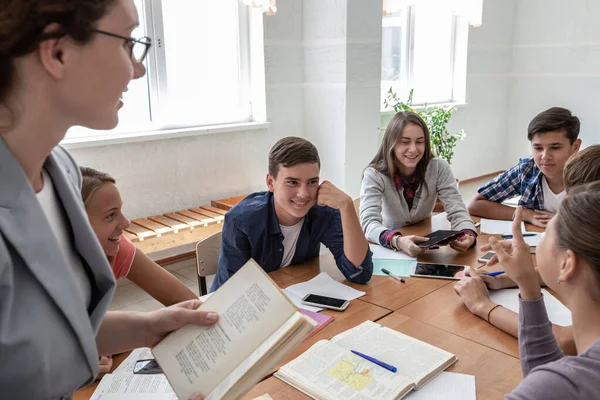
(287, 224)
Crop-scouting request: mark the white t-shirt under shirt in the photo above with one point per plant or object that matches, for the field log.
(290, 239)
(58, 221)
(551, 200)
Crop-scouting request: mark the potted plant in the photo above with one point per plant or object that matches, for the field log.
(436, 118)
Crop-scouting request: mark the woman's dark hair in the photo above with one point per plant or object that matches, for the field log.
(555, 119)
(385, 159)
(22, 24)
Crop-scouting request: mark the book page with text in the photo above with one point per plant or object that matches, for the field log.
(250, 307)
(412, 357)
(336, 373)
(134, 387)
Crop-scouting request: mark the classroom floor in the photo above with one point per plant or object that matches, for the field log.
(129, 297)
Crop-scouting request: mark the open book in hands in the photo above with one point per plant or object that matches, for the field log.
(329, 370)
(258, 326)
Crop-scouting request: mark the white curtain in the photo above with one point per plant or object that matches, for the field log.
(472, 10)
(268, 6)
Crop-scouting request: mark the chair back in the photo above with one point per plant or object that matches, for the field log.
(207, 259)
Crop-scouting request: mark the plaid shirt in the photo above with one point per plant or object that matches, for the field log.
(524, 179)
(385, 238)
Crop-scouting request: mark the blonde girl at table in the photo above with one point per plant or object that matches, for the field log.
(568, 261)
(103, 204)
(62, 63)
(581, 168)
(401, 184)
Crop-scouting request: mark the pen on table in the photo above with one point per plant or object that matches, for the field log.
(396, 277)
(524, 235)
(477, 224)
(496, 273)
(375, 361)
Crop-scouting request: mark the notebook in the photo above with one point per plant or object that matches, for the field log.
(321, 319)
(533, 241)
(329, 370)
(258, 326)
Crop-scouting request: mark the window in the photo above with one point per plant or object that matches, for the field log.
(423, 48)
(198, 68)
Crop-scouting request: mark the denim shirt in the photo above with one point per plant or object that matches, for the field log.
(251, 230)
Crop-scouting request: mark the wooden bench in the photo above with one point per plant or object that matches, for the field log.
(172, 237)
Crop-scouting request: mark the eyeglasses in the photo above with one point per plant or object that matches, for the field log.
(138, 48)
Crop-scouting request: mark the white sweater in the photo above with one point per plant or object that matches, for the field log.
(383, 207)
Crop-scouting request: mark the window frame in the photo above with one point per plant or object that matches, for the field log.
(251, 90)
(458, 65)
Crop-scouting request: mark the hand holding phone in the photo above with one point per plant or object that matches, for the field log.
(325, 302)
(440, 238)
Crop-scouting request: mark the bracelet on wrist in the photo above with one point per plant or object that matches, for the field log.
(490, 312)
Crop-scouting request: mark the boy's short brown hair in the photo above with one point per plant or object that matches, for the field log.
(582, 167)
(291, 151)
(555, 119)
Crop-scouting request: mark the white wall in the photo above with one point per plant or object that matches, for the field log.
(342, 70)
(165, 175)
(322, 73)
(484, 119)
(556, 62)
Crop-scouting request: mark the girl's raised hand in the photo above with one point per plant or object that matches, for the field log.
(517, 261)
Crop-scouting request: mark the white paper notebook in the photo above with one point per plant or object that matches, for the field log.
(557, 312)
(447, 386)
(324, 285)
(497, 227)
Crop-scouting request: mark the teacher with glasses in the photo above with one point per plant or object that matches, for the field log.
(62, 63)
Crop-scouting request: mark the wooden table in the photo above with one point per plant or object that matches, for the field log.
(427, 309)
(495, 373)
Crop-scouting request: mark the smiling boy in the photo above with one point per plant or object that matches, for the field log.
(287, 224)
(537, 179)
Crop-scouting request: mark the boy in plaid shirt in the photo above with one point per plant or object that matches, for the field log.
(537, 179)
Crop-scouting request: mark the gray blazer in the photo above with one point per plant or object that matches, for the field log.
(382, 207)
(47, 336)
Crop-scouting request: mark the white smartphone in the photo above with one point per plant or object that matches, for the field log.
(325, 302)
(435, 270)
(486, 257)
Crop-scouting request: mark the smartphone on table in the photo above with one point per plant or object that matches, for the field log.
(325, 302)
(437, 270)
(486, 257)
(148, 366)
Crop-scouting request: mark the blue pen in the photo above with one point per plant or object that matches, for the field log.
(375, 361)
(495, 273)
(524, 235)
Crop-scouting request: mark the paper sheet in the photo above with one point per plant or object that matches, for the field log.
(297, 300)
(126, 367)
(514, 202)
(497, 227)
(396, 267)
(324, 285)
(134, 387)
(447, 386)
(557, 312)
(533, 241)
(380, 252)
